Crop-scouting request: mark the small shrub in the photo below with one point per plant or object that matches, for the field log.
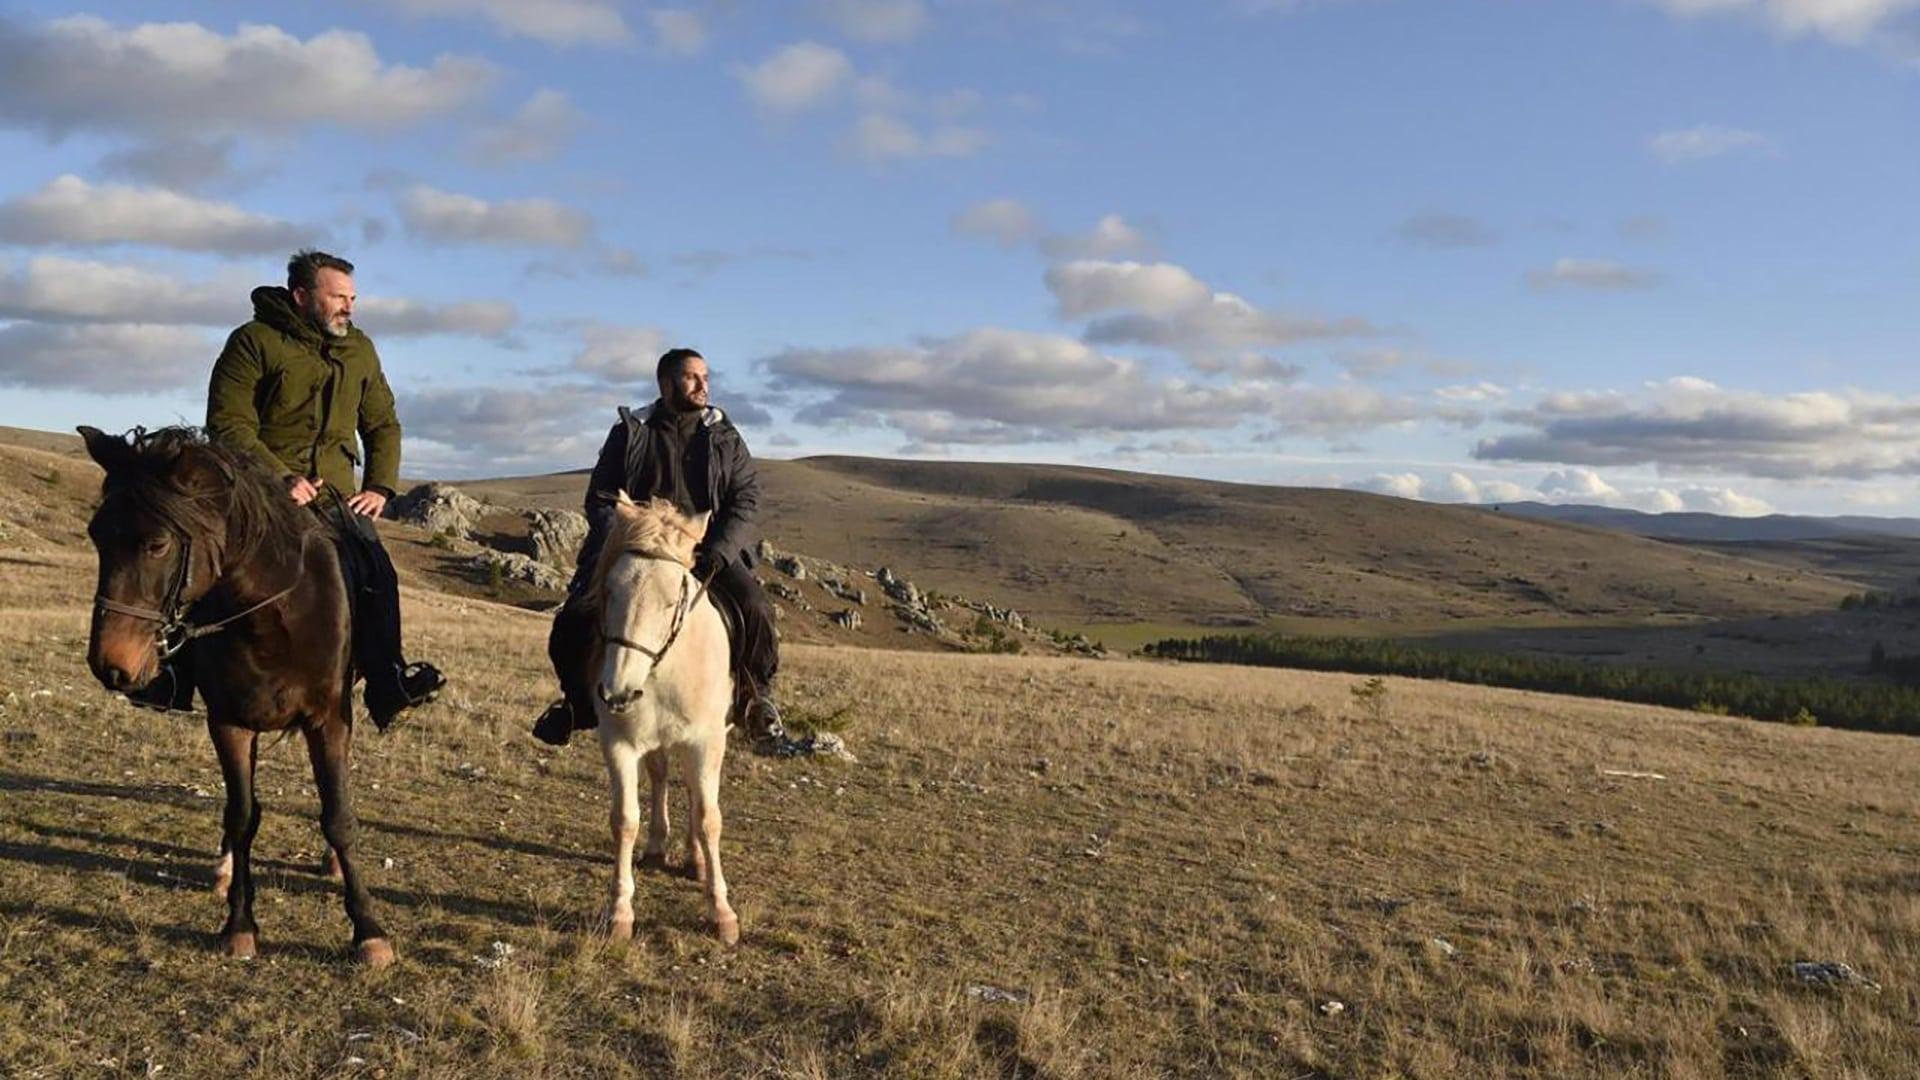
(1804, 718)
(1371, 696)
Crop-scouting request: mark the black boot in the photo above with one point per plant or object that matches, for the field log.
(555, 725)
(414, 684)
(170, 691)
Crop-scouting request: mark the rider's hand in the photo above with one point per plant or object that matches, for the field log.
(367, 504)
(706, 563)
(302, 489)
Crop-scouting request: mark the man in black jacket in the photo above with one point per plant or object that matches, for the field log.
(682, 449)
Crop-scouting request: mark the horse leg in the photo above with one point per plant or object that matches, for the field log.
(327, 747)
(655, 855)
(703, 776)
(237, 748)
(223, 868)
(696, 868)
(623, 781)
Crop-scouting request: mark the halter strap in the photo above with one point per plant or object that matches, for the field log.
(174, 631)
(680, 613)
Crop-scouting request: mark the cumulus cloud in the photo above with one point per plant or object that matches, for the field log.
(1400, 485)
(84, 74)
(797, 77)
(1165, 306)
(53, 289)
(678, 31)
(1849, 22)
(996, 385)
(878, 137)
(1691, 425)
(1578, 485)
(620, 354)
(1436, 229)
(555, 22)
(50, 288)
(536, 131)
(70, 210)
(445, 217)
(400, 317)
(1705, 141)
(877, 20)
(1454, 487)
(1595, 274)
(496, 430)
(1112, 237)
(1007, 222)
(103, 359)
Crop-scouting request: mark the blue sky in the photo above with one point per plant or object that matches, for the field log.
(1653, 253)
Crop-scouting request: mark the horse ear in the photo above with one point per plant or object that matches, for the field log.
(698, 522)
(109, 451)
(195, 470)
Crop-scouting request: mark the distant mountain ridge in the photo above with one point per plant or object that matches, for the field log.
(1701, 526)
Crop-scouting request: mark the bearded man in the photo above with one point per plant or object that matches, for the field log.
(300, 388)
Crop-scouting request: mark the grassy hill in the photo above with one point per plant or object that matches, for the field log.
(1081, 546)
(1039, 867)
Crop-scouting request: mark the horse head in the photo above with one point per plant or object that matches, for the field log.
(160, 533)
(647, 590)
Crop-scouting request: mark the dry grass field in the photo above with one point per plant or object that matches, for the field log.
(1037, 868)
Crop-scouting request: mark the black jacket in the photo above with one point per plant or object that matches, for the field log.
(716, 456)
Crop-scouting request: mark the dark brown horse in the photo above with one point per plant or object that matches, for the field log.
(199, 544)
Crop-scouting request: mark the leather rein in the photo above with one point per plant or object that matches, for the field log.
(174, 630)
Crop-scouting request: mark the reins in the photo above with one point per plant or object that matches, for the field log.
(175, 630)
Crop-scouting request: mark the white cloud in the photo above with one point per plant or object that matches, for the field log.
(84, 74)
(104, 359)
(50, 288)
(1597, 274)
(1007, 222)
(1400, 485)
(797, 77)
(53, 289)
(1476, 393)
(70, 210)
(621, 354)
(1165, 306)
(995, 385)
(679, 32)
(495, 430)
(400, 317)
(1343, 409)
(1577, 485)
(538, 130)
(1720, 500)
(1707, 141)
(555, 22)
(1691, 425)
(877, 20)
(1849, 22)
(1111, 237)
(883, 137)
(449, 218)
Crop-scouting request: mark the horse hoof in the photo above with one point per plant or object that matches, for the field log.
(621, 929)
(373, 953)
(240, 946)
(727, 930)
(654, 860)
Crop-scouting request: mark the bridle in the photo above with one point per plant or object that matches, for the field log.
(689, 598)
(174, 630)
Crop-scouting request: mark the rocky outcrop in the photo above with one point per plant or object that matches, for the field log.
(513, 566)
(441, 509)
(850, 619)
(556, 536)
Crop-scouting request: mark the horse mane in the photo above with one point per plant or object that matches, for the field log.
(655, 528)
(202, 489)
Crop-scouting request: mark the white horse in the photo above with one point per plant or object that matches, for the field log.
(666, 687)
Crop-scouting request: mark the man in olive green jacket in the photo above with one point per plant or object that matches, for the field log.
(300, 388)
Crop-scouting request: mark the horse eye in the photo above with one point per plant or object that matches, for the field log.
(157, 546)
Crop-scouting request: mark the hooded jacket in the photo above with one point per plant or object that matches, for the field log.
(304, 402)
(717, 462)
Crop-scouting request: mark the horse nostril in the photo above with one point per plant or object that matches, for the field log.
(117, 677)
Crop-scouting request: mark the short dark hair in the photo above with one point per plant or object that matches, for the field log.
(305, 266)
(672, 361)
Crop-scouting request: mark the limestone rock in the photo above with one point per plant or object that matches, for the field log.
(556, 536)
(439, 508)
